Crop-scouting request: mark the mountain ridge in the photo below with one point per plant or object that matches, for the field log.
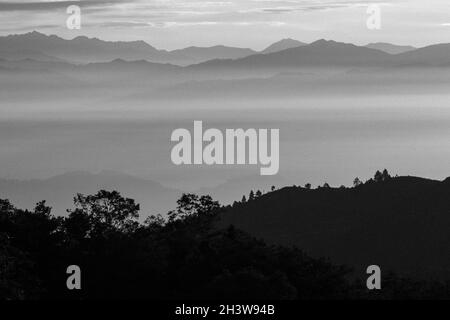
(400, 223)
(59, 190)
(283, 44)
(390, 48)
(82, 49)
(319, 54)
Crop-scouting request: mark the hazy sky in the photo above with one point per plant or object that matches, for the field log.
(173, 24)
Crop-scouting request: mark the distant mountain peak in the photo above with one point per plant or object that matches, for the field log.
(283, 44)
(118, 60)
(83, 38)
(36, 33)
(390, 48)
(32, 34)
(324, 42)
(287, 40)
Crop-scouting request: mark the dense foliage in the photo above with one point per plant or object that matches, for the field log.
(183, 257)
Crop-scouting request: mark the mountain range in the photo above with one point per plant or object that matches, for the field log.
(390, 48)
(327, 53)
(59, 191)
(304, 69)
(48, 67)
(38, 46)
(321, 53)
(153, 197)
(283, 45)
(82, 50)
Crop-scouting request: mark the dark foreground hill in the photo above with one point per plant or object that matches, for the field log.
(400, 224)
(185, 256)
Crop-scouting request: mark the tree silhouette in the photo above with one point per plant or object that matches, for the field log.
(155, 221)
(385, 175)
(382, 176)
(102, 212)
(190, 254)
(357, 182)
(190, 205)
(378, 176)
(17, 280)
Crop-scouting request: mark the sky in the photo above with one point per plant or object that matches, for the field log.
(172, 24)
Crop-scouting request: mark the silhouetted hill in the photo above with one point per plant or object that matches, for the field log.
(432, 55)
(38, 46)
(118, 73)
(150, 69)
(197, 54)
(326, 54)
(103, 72)
(60, 190)
(321, 53)
(29, 64)
(233, 189)
(14, 55)
(259, 83)
(390, 48)
(83, 49)
(284, 53)
(183, 256)
(401, 224)
(283, 45)
(53, 52)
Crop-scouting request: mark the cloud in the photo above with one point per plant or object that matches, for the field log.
(291, 6)
(215, 23)
(278, 10)
(29, 27)
(52, 5)
(172, 13)
(272, 6)
(120, 24)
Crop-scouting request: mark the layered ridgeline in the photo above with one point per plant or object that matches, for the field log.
(81, 49)
(59, 191)
(327, 53)
(390, 48)
(400, 224)
(37, 52)
(49, 66)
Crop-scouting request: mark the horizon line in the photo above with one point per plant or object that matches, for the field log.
(215, 45)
